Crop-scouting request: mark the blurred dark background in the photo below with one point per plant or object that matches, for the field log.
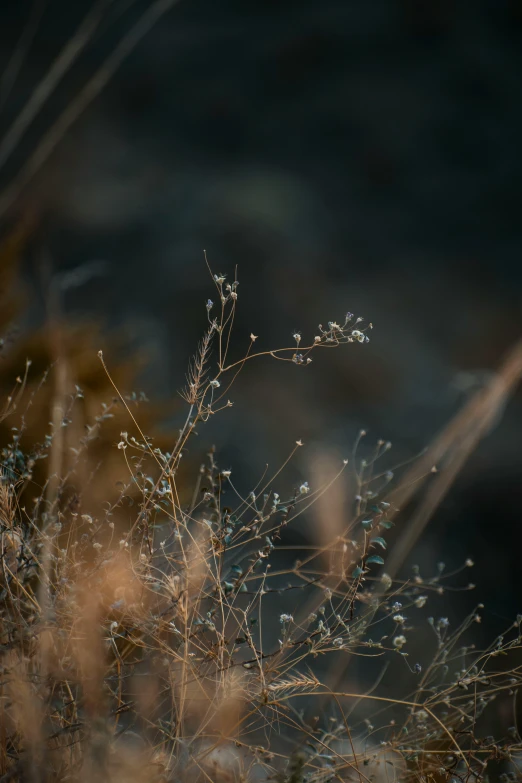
(358, 155)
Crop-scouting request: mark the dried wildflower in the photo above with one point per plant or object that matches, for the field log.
(176, 586)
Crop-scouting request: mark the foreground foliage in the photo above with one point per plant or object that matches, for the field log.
(165, 631)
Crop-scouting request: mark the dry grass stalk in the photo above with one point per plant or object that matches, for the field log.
(184, 647)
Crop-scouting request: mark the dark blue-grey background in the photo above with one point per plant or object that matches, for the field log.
(351, 155)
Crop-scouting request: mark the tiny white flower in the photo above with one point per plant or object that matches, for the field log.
(386, 581)
(304, 489)
(215, 384)
(399, 642)
(421, 601)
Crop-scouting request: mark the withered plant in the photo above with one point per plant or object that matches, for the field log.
(169, 633)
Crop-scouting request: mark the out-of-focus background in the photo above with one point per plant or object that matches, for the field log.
(344, 155)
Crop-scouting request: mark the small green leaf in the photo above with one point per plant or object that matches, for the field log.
(357, 572)
(386, 523)
(379, 540)
(375, 559)
(367, 524)
(228, 587)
